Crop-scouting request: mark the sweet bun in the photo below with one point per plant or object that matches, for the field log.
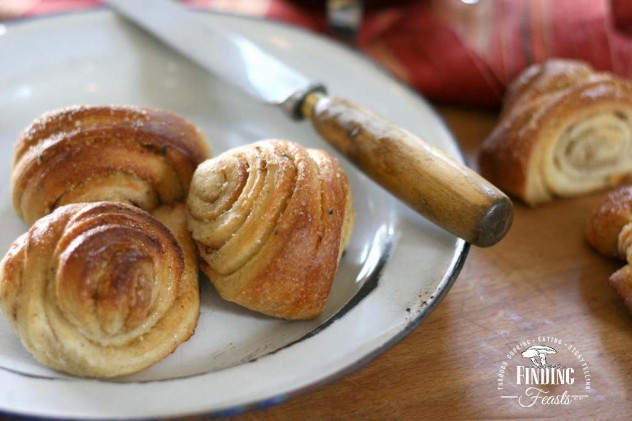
(102, 289)
(271, 220)
(138, 155)
(565, 130)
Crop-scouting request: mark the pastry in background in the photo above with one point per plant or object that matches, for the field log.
(137, 155)
(564, 130)
(102, 289)
(609, 231)
(271, 220)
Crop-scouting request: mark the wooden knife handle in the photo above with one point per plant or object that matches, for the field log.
(443, 190)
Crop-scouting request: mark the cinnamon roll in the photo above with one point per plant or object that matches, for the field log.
(102, 289)
(138, 155)
(564, 130)
(609, 231)
(271, 221)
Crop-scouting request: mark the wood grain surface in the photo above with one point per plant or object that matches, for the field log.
(541, 280)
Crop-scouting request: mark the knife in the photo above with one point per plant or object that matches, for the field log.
(438, 187)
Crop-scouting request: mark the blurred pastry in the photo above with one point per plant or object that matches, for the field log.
(564, 130)
(137, 155)
(271, 220)
(609, 231)
(102, 289)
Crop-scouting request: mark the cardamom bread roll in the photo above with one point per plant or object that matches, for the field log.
(102, 289)
(138, 155)
(609, 231)
(271, 220)
(564, 130)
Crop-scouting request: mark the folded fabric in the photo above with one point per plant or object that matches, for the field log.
(455, 51)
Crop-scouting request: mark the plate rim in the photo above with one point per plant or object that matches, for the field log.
(461, 249)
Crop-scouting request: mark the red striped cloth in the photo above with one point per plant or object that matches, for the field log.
(456, 51)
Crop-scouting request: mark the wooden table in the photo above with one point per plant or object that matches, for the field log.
(541, 280)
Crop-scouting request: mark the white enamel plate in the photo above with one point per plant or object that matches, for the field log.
(396, 269)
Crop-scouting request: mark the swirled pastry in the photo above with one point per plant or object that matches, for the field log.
(138, 155)
(271, 220)
(609, 231)
(102, 289)
(564, 130)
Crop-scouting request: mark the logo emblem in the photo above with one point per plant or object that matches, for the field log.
(537, 354)
(532, 373)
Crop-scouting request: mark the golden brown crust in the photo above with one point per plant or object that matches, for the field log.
(621, 281)
(139, 155)
(564, 130)
(550, 77)
(102, 289)
(608, 220)
(609, 231)
(271, 220)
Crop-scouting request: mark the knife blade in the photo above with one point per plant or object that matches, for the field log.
(438, 187)
(269, 81)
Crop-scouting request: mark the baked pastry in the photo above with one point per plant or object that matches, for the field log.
(138, 155)
(271, 220)
(564, 130)
(102, 289)
(609, 231)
